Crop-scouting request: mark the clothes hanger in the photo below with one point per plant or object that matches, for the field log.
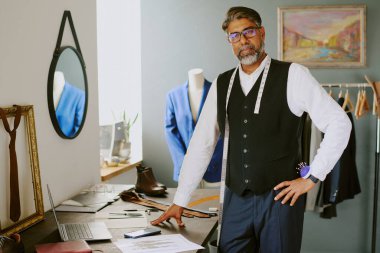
(347, 102)
(330, 92)
(374, 105)
(375, 108)
(357, 106)
(340, 91)
(364, 105)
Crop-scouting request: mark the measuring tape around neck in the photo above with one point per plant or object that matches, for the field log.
(227, 133)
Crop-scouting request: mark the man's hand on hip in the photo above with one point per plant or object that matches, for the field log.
(173, 211)
(293, 189)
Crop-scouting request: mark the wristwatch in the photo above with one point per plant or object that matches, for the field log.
(304, 169)
(314, 179)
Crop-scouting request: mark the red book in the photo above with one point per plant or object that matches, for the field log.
(80, 246)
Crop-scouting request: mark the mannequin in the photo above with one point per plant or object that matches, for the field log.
(196, 82)
(58, 85)
(183, 106)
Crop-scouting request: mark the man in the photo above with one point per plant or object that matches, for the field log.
(264, 196)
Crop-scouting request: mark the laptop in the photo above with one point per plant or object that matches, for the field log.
(86, 202)
(91, 201)
(91, 231)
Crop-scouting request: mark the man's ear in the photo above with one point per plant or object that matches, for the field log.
(262, 31)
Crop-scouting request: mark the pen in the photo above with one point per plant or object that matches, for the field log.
(135, 210)
(125, 217)
(128, 214)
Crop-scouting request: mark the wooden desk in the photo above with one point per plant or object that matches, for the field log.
(109, 172)
(197, 230)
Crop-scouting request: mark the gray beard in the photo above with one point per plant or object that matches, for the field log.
(249, 59)
(252, 58)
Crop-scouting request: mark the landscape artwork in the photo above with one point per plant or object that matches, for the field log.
(322, 36)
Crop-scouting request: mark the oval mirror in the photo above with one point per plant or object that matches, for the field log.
(67, 92)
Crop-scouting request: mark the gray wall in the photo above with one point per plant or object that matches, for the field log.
(181, 35)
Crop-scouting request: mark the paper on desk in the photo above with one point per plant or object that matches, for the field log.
(157, 244)
(122, 221)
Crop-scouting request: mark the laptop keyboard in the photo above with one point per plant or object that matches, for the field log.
(78, 231)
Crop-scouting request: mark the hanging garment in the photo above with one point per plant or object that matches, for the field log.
(343, 181)
(311, 140)
(179, 128)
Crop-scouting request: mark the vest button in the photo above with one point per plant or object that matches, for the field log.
(245, 165)
(246, 181)
(245, 150)
(244, 136)
(245, 120)
(245, 107)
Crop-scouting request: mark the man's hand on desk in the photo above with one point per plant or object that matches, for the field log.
(173, 211)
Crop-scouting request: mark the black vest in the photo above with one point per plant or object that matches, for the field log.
(263, 148)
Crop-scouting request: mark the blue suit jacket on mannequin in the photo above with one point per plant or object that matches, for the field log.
(179, 127)
(70, 109)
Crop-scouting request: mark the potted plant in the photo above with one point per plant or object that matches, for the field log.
(125, 148)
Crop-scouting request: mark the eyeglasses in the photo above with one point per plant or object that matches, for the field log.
(248, 33)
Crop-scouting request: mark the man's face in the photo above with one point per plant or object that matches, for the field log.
(247, 50)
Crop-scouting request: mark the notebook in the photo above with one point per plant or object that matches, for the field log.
(76, 231)
(79, 246)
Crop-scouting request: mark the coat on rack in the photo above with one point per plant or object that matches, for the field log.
(343, 181)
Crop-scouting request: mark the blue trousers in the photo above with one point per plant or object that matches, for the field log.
(259, 224)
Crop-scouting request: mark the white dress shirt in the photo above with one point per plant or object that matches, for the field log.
(304, 94)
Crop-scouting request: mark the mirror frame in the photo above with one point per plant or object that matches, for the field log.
(52, 69)
(57, 53)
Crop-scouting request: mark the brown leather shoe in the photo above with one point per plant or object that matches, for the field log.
(150, 172)
(141, 169)
(146, 183)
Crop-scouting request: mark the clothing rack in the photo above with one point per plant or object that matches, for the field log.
(377, 154)
(346, 85)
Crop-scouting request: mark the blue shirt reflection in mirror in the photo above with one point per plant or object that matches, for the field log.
(70, 105)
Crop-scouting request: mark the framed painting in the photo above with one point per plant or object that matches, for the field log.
(323, 36)
(30, 209)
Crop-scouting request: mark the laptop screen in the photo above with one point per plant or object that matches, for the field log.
(52, 207)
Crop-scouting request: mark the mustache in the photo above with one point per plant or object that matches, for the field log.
(244, 47)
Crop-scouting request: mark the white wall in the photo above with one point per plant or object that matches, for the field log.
(28, 32)
(119, 65)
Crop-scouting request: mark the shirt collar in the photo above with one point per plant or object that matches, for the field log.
(244, 75)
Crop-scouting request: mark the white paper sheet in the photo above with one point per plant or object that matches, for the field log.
(157, 244)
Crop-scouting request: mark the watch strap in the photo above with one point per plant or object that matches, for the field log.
(314, 179)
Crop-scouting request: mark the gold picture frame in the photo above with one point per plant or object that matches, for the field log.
(32, 209)
(323, 36)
